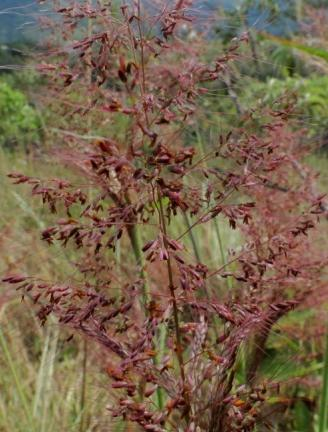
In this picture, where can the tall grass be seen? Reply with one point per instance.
(40, 373)
(40, 376)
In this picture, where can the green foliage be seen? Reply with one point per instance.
(20, 123)
(14, 53)
(293, 44)
(283, 61)
(311, 96)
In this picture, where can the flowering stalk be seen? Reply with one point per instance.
(147, 84)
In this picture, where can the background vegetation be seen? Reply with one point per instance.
(51, 383)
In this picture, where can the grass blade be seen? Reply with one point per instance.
(20, 390)
(323, 414)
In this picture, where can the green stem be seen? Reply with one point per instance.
(323, 415)
(13, 371)
(215, 222)
(192, 238)
(160, 345)
(136, 242)
(179, 349)
(220, 242)
(84, 384)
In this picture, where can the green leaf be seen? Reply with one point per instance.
(303, 417)
(323, 414)
(313, 51)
